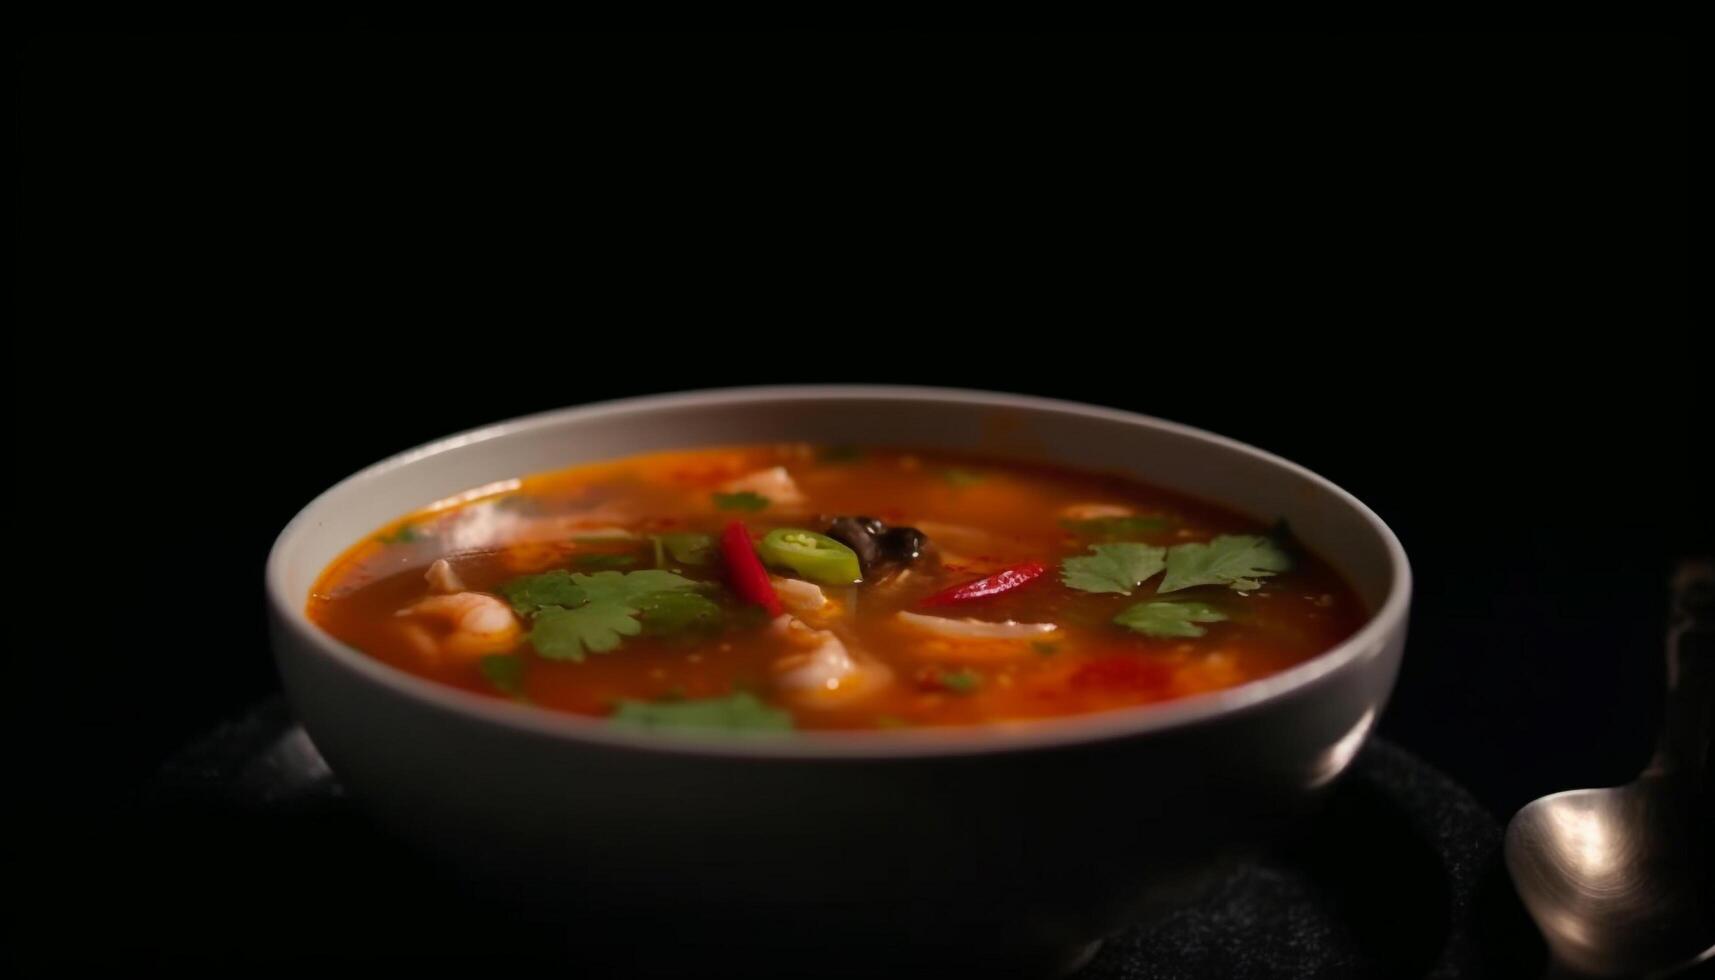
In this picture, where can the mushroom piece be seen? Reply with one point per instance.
(877, 544)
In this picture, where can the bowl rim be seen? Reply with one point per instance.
(1181, 713)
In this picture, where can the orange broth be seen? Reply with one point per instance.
(979, 516)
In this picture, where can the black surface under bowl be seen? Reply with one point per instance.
(272, 868)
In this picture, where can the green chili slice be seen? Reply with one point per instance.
(816, 557)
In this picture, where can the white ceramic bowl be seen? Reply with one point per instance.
(1012, 848)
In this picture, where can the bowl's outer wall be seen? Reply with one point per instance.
(1034, 850)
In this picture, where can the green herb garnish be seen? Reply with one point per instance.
(687, 548)
(576, 614)
(595, 627)
(961, 477)
(532, 592)
(1234, 560)
(839, 454)
(1117, 528)
(1113, 568)
(1044, 648)
(505, 672)
(743, 500)
(740, 712)
(961, 681)
(671, 612)
(627, 586)
(404, 534)
(1169, 618)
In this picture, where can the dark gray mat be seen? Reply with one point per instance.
(1399, 878)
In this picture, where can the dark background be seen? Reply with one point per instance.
(1447, 272)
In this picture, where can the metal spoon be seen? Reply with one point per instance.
(1622, 881)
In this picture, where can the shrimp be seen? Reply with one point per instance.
(462, 625)
(807, 601)
(799, 595)
(821, 673)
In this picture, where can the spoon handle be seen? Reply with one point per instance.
(1684, 752)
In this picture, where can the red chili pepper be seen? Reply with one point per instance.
(749, 578)
(1004, 580)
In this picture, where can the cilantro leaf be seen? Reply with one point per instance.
(687, 548)
(1169, 618)
(577, 614)
(671, 612)
(743, 500)
(961, 681)
(1113, 568)
(596, 627)
(961, 478)
(506, 672)
(1117, 528)
(626, 587)
(1236, 560)
(404, 534)
(740, 712)
(532, 592)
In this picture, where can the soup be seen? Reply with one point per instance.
(777, 587)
